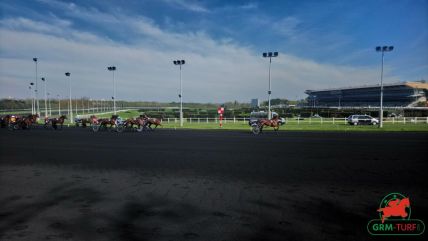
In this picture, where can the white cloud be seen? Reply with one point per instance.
(286, 26)
(189, 5)
(215, 71)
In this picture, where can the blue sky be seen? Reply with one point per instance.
(322, 44)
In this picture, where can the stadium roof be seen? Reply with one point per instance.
(413, 84)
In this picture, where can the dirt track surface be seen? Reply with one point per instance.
(204, 185)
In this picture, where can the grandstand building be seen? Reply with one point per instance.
(405, 94)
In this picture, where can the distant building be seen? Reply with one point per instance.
(406, 94)
(255, 103)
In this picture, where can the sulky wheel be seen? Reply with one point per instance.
(140, 128)
(255, 129)
(95, 127)
(120, 127)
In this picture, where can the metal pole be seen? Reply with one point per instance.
(37, 91)
(46, 107)
(381, 95)
(32, 100)
(49, 105)
(114, 94)
(181, 100)
(59, 105)
(269, 91)
(70, 103)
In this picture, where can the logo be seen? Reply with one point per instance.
(394, 217)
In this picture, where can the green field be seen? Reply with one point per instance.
(292, 125)
(315, 124)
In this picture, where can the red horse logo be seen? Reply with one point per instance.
(395, 208)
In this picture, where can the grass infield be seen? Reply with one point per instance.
(314, 124)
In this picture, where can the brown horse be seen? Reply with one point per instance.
(111, 121)
(26, 122)
(153, 121)
(83, 122)
(93, 120)
(130, 122)
(274, 122)
(55, 122)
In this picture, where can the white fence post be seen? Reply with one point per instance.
(234, 119)
(207, 119)
(404, 120)
(427, 119)
(333, 120)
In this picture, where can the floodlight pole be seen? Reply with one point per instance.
(70, 108)
(181, 100)
(49, 104)
(269, 91)
(270, 55)
(382, 49)
(46, 107)
(33, 104)
(180, 63)
(37, 90)
(59, 105)
(113, 68)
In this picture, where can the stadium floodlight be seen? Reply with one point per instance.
(180, 63)
(70, 106)
(269, 55)
(113, 69)
(382, 49)
(46, 107)
(37, 89)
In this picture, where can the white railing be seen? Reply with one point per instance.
(333, 120)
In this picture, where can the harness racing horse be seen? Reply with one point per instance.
(102, 123)
(147, 122)
(130, 122)
(22, 123)
(4, 122)
(274, 122)
(55, 121)
(83, 122)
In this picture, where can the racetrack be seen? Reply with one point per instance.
(204, 185)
